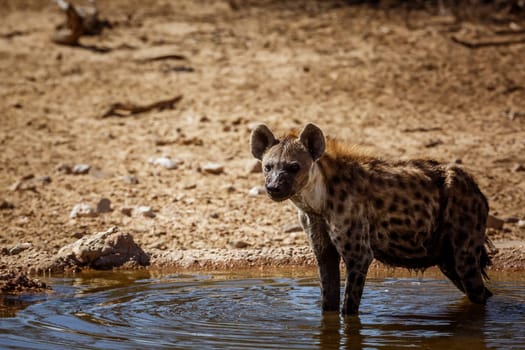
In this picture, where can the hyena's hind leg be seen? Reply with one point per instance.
(464, 224)
(464, 264)
(448, 265)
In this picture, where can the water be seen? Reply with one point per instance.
(145, 310)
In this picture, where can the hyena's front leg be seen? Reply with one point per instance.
(354, 246)
(327, 259)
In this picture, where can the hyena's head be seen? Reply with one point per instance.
(287, 161)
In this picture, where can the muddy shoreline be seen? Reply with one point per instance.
(509, 256)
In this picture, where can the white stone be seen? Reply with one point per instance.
(82, 210)
(81, 169)
(256, 191)
(145, 211)
(165, 162)
(213, 168)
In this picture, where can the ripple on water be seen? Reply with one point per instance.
(123, 311)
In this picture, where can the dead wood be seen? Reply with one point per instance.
(494, 41)
(422, 129)
(126, 109)
(163, 58)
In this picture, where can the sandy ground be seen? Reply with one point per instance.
(400, 88)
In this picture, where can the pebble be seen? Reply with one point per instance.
(494, 222)
(63, 169)
(521, 224)
(20, 247)
(4, 205)
(433, 143)
(104, 206)
(44, 180)
(289, 228)
(256, 191)
(80, 169)
(164, 162)
(24, 184)
(82, 210)
(213, 168)
(240, 244)
(126, 211)
(511, 220)
(146, 211)
(189, 186)
(518, 167)
(130, 179)
(230, 188)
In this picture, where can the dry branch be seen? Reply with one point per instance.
(126, 109)
(163, 58)
(476, 44)
(422, 129)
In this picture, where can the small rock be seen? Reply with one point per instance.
(521, 224)
(5, 205)
(253, 166)
(511, 220)
(27, 177)
(230, 188)
(289, 228)
(103, 250)
(126, 211)
(20, 247)
(494, 222)
(164, 162)
(213, 168)
(146, 211)
(16, 186)
(104, 206)
(82, 210)
(24, 184)
(44, 180)
(130, 179)
(518, 167)
(78, 235)
(433, 143)
(256, 191)
(240, 244)
(80, 169)
(63, 169)
(14, 282)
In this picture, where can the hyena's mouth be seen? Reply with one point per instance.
(277, 195)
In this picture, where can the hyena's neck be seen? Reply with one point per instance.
(312, 197)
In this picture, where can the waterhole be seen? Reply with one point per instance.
(147, 310)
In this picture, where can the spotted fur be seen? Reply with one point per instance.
(354, 206)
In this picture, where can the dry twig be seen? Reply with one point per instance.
(476, 44)
(126, 109)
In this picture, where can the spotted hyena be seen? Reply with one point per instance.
(414, 214)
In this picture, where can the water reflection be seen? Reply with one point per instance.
(129, 311)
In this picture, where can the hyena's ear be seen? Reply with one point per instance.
(313, 139)
(261, 139)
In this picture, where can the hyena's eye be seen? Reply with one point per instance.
(267, 168)
(293, 168)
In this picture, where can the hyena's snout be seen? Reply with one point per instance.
(278, 186)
